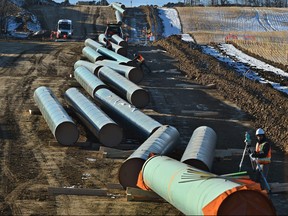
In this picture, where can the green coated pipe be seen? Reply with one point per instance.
(190, 190)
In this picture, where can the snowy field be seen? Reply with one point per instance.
(229, 51)
(234, 19)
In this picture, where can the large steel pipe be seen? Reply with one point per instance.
(93, 68)
(88, 80)
(137, 96)
(118, 17)
(161, 142)
(199, 152)
(108, 53)
(119, 4)
(91, 54)
(60, 123)
(115, 47)
(93, 44)
(195, 192)
(103, 127)
(120, 41)
(129, 116)
(118, 8)
(134, 74)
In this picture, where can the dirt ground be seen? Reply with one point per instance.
(181, 96)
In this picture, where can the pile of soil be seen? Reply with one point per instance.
(266, 106)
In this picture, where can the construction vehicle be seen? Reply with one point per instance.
(113, 28)
(64, 29)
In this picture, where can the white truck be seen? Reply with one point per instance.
(64, 29)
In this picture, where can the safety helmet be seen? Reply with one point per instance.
(259, 131)
(135, 54)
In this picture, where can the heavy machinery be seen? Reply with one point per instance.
(113, 28)
(64, 29)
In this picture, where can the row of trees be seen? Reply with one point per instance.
(254, 3)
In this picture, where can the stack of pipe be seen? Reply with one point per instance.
(137, 96)
(60, 123)
(115, 47)
(94, 118)
(125, 112)
(108, 53)
(134, 74)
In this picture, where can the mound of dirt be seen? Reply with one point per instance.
(266, 106)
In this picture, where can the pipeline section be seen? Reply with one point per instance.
(118, 17)
(120, 41)
(115, 47)
(127, 89)
(127, 114)
(103, 127)
(118, 7)
(91, 54)
(196, 192)
(60, 123)
(134, 74)
(88, 80)
(93, 68)
(199, 152)
(161, 142)
(108, 53)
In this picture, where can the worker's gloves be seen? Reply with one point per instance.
(253, 154)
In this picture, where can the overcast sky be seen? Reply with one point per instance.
(133, 2)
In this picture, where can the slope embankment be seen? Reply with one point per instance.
(266, 106)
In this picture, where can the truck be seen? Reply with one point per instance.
(64, 29)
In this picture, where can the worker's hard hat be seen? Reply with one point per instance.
(259, 131)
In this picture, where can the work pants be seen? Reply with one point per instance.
(259, 178)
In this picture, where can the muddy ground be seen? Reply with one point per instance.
(181, 95)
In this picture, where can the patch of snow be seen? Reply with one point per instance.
(170, 21)
(242, 68)
(230, 50)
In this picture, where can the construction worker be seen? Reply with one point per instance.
(140, 59)
(262, 155)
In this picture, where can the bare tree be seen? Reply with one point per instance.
(3, 15)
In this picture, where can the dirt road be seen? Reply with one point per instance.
(31, 162)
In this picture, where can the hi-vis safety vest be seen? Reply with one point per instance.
(267, 159)
(140, 58)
